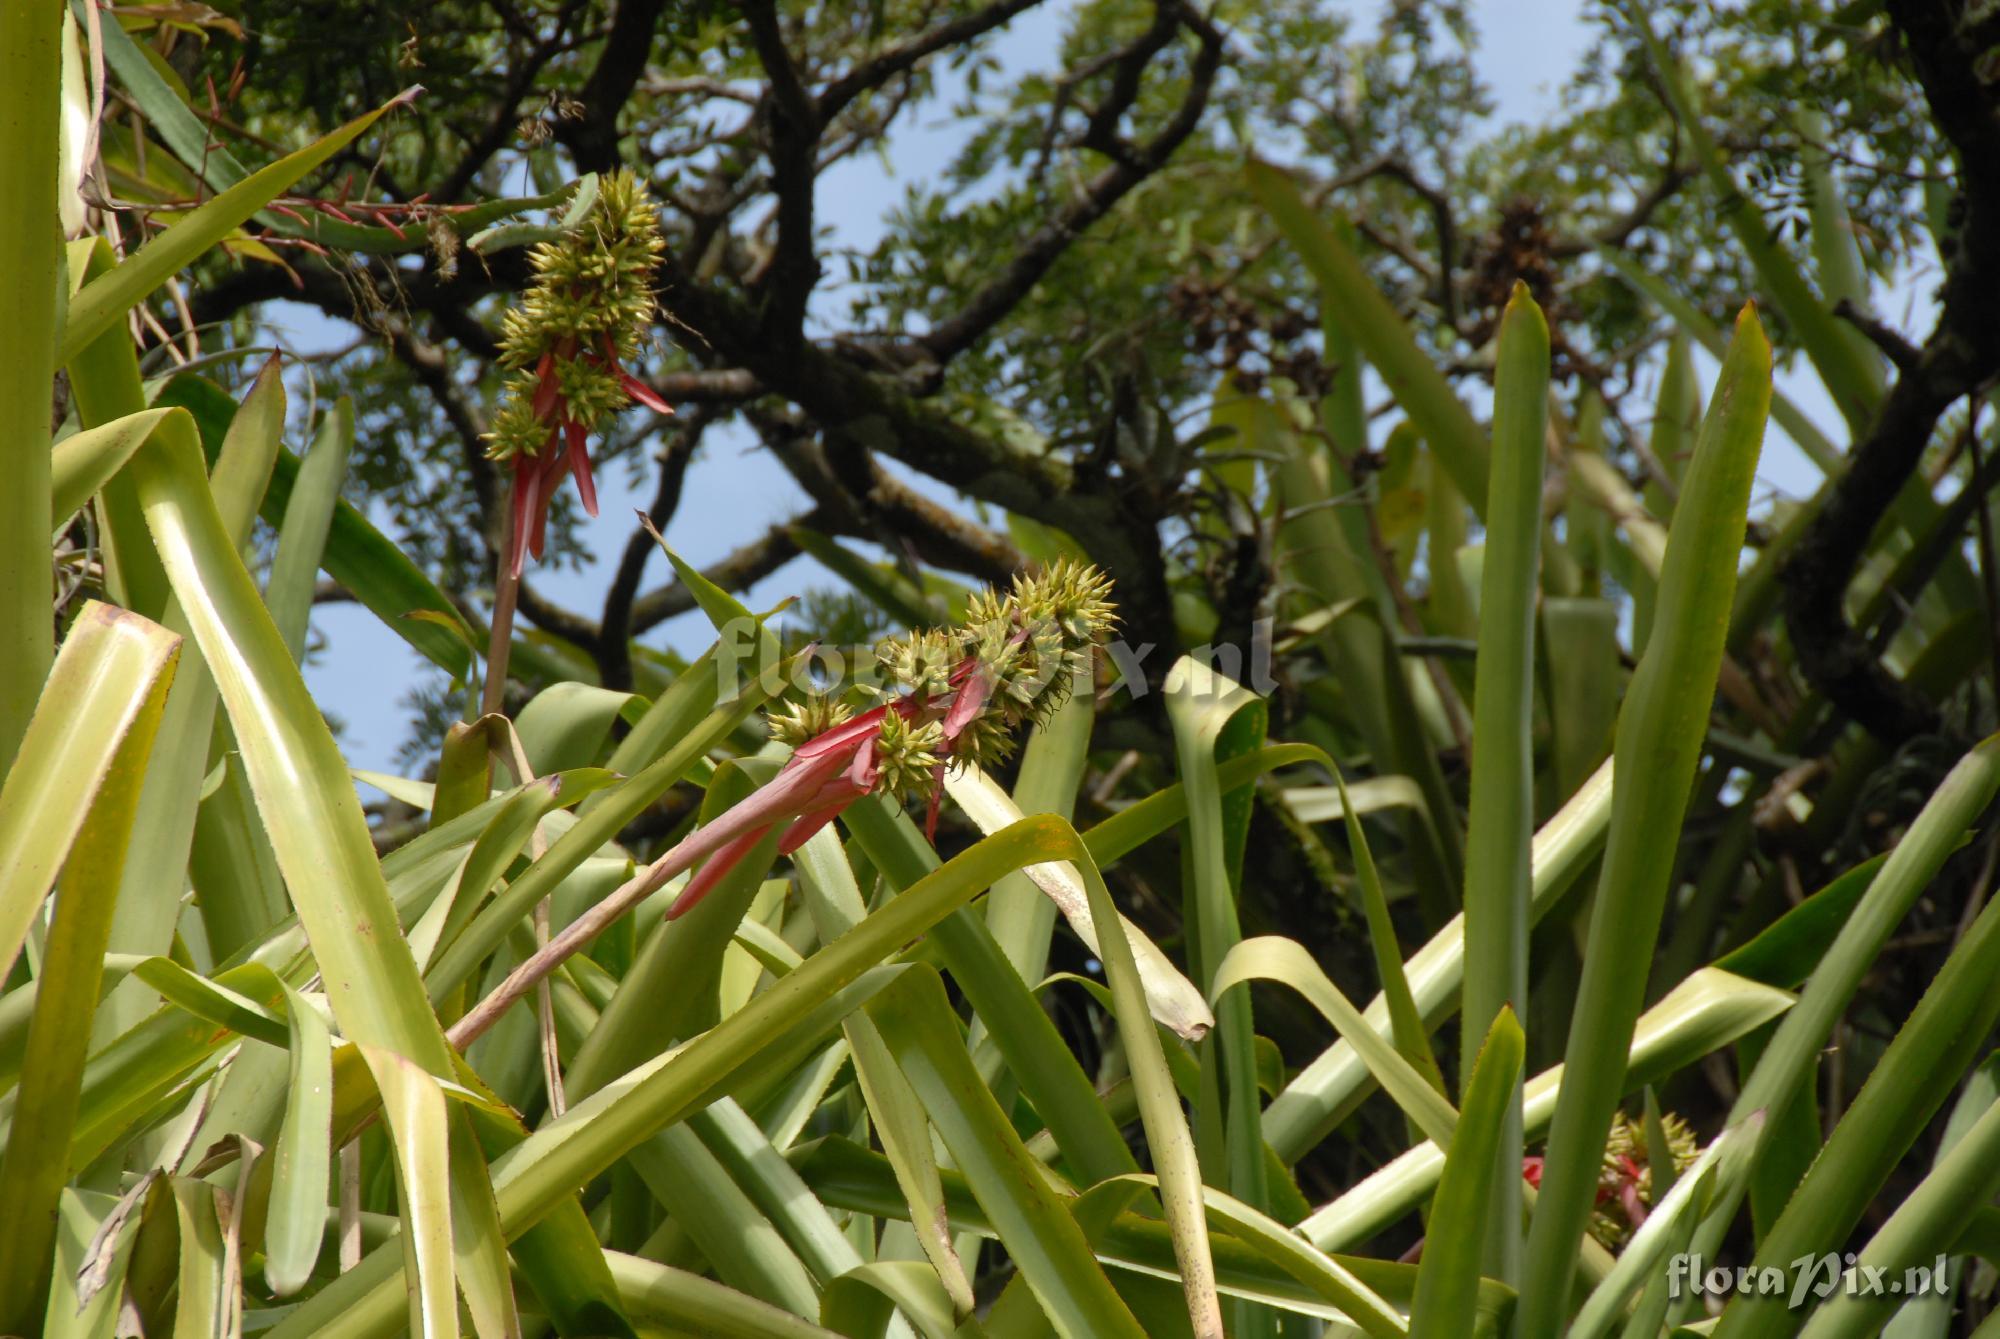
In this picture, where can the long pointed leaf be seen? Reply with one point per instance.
(36, 1161)
(1381, 333)
(1038, 1232)
(415, 1108)
(1448, 1278)
(104, 300)
(1501, 822)
(303, 1162)
(100, 687)
(31, 241)
(308, 518)
(1167, 1135)
(1661, 731)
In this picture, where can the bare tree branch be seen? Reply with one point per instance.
(958, 332)
(869, 501)
(885, 65)
(593, 138)
(1394, 168)
(794, 130)
(1905, 355)
(706, 386)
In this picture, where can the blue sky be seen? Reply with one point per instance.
(733, 491)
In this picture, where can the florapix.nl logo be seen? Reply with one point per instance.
(745, 652)
(1809, 1278)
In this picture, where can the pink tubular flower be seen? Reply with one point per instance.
(815, 786)
(565, 448)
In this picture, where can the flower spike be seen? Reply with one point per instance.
(566, 347)
(955, 697)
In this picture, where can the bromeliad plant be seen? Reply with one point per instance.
(258, 1075)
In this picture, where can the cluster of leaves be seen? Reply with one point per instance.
(646, 1007)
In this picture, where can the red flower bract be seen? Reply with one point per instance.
(565, 450)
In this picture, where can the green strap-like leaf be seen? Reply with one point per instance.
(1448, 1278)
(1851, 378)
(1212, 717)
(102, 685)
(302, 1160)
(1709, 1010)
(30, 288)
(905, 1136)
(1406, 1021)
(1500, 824)
(1662, 730)
(103, 301)
(308, 519)
(1329, 1086)
(195, 145)
(1353, 299)
(1045, 1242)
(119, 665)
(546, 1168)
(1270, 958)
(1925, 1060)
(1168, 1139)
(86, 460)
(414, 1106)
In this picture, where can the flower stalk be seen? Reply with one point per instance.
(566, 348)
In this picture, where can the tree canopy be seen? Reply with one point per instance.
(1044, 326)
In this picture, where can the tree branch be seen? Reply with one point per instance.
(567, 624)
(1961, 354)
(720, 385)
(885, 65)
(871, 503)
(500, 125)
(1616, 231)
(593, 138)
(956, 333)
(1394, 168)
(1117, 525)
(1905, 355)
(794, 127)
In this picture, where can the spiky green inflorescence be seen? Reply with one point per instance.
(1625, 1148)
(1030, 646)
(908, 754)
(1020, 653)
(987, 742)
(920, 664)
(587, 313)
(808, 719)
